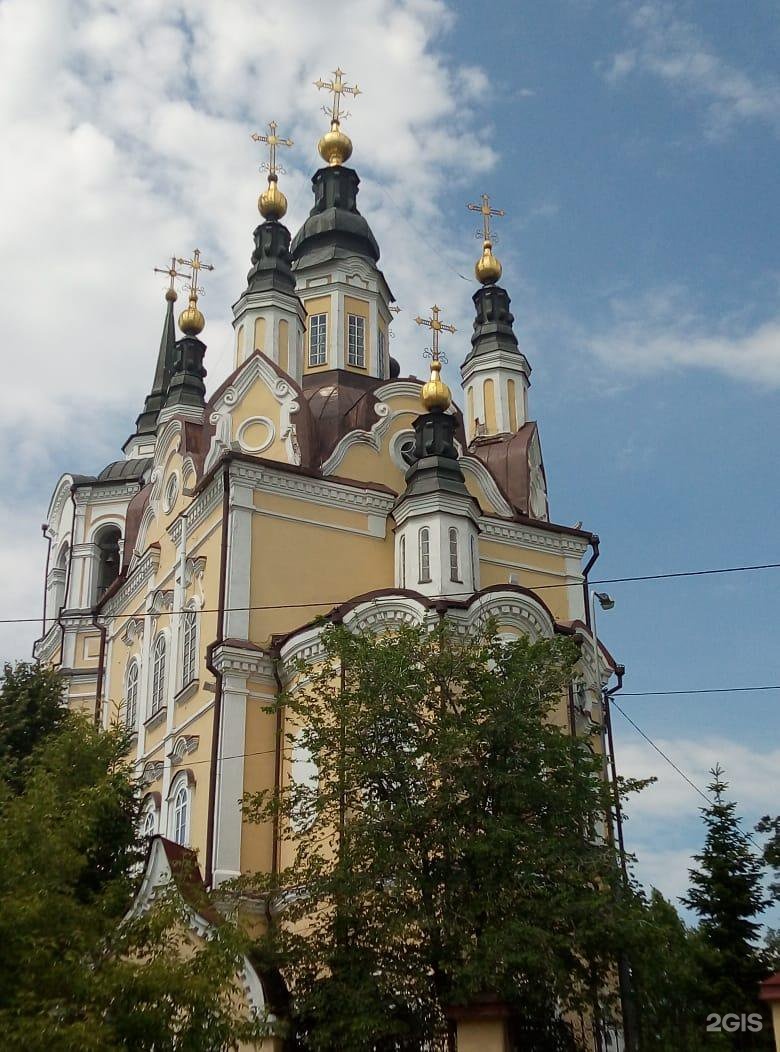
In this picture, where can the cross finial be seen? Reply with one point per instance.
(487, 212)
(191, 320)
(173, 274)
(338, 88)
(273, 140)
(437, 326)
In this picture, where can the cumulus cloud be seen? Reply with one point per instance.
(666, 46)
(664, 829)
(662, 331)
(126, 137)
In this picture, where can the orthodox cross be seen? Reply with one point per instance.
(436, 325)
(338, 88)
(395, 308)
(173, 274)
(487, 212)
(195, 266)
(273, 141)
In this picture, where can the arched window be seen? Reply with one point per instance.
(131, 695)
(60, 580)
(158, 673)
(189, 647)
(149, 819)
(402, 562)
(424, 544)
(454, 565)
(180, 811)
(107, 541)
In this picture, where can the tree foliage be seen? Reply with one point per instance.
(452, 845)
(73, 974)
(31, 707)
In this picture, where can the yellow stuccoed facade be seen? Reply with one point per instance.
(243, 518)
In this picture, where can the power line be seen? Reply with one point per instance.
(697, 690)
(537, 588)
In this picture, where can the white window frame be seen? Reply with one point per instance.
(356, 341)
(424, 555)
(402, 561)
(189, 646)
(159, 669)
(452, 536)
(380, 348)
(180, 809)
(150, 819)
(132, 687)
(318, 352)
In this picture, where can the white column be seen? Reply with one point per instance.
(239, 564)
(230, 777)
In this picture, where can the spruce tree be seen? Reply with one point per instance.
(727, 894)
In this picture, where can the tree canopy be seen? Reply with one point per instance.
(451, 845)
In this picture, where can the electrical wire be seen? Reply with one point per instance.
(330, 603)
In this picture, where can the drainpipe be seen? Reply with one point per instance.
(44, 528)
(101, 668)
(276, 658)
(628, 1004)
(217, 721)
(594, 543)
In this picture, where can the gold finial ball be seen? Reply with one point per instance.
(335, 147)
(435, 394)
(272, 203)
(487, 268)
(170, 295)
(191, 320)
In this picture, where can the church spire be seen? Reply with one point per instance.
(495, 373)
(186, 390)
(437, 519)
(335, 147)
(271, 260)
(146, 423)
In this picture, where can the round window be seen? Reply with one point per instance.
(171, 491)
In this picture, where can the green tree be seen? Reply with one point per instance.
(451, 846)
(771, 826)
(31, 707)
(727, 894)
(73, 974)
(669, 980)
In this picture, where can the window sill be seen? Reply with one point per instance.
(156, 719)
(187, 691)
(425, 580)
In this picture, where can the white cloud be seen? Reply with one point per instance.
(125, 134)
(662, 331)
(664, 828)
(666, 46)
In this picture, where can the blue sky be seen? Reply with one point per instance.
(635, 150)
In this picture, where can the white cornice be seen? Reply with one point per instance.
(525, 536)
(438, 502)
(496, 358)
(314, 490)
(472, 465)
(230, 657)
(142, 572)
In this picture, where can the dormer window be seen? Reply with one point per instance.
(318, 339)
(107, 541)
(356, 341)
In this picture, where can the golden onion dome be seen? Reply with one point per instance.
(487, 268)
(435, 394)
(191, 320)
(272, 203)
(335, 147)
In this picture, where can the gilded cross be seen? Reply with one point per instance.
(173, 274)
(195, 266)
(487, 212)
(273, 141)
(436, 325)
(338, 88)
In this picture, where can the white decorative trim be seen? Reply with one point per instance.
(58, 501)
(250, 421)
(228, 658)
(157, 878)
(152, 771)
(314, 490)
(143, 571)
(134, 629)
(204, 503)
(372, 438)
(471, 465)
(399, 389)
(182, 747)
(520, 534)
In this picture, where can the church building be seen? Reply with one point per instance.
(186, 579)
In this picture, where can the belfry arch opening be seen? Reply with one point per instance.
(107, 541)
